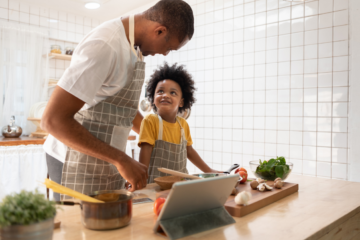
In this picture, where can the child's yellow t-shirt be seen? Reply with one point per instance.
(149, 130)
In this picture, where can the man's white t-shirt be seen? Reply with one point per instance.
(101, 65)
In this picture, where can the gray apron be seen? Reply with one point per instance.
(167, 155)
(110, 121)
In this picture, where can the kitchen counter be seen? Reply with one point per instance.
(322, 209)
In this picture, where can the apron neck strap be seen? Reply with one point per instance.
(132, 37)
(161, 129)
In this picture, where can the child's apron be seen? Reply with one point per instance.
(167, 155)
(110, 121)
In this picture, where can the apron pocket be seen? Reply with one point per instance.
(119, 137)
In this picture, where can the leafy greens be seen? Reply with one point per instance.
(272, 169)
(25, 208)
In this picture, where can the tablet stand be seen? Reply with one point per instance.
(183, 226)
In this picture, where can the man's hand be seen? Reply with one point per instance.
(134, 172)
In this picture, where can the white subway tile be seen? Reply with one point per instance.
(325, 35)
(324, 139)
(297, 11)
(297, 39)
(311, 8)
(341, 33)
(4, 4)
(25, 8)
(272, 16)
(341, 18)
(340, 109)
(340, 125)
(284, 14)
(323, 169)
(341, 4)
(297, 25)
(340, 94)
(34, 10)
(4, 13)
(260, 6)
(311, 37)
(325, 50)
(339, 171)
(284, 55)
(324, 109)
(14, 5)
(326, 20)
(324, 124)
(310, 80)
(44, 12)
(324, 154)
(311, 23)
(24, 17)
(324, 94)
(272, 30)
(309, 167)
(339, 140)
(340, 78)
(341, 48)
(341, 63)
(249, 8)
(272, 4)
(297, 53)
(325, 6)
(311, 52)
(284, 27)
(325, 64)
(34, 20)
(339, 155)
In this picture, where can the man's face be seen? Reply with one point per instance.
(158, 42)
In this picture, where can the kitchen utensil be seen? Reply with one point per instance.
(145, 105)
(227, 172)
(112, 214)
(266, 175)
(11, 130)
(185, 114)
(67, 191)
(166, 182)
(176, 173)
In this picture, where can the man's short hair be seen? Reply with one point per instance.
(176, 15)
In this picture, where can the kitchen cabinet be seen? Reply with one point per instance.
(322, 209)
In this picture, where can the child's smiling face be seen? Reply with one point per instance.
(168, 98)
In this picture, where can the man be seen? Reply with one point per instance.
(94, 106)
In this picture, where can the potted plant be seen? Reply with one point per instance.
(26, 215)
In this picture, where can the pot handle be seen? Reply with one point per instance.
(235, 165)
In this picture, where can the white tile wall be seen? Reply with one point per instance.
(272, 80)
(65, 29)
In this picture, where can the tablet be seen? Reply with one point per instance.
(195, 196)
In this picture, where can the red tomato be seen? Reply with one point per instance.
(244, 176)
(240, 169)
(159, 209)
(157, 204)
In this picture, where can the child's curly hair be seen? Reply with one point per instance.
(179, 75)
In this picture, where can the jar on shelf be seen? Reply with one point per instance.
(55, 49)
(69, 50)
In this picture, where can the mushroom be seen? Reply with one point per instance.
(278, 183)
(277, 179)
(242, 198)
(259, 180)
(267, 187)
(254, 184)
(261, 187)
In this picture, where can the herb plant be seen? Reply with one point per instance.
(272, 169)
(25, 208)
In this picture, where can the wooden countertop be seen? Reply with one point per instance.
(21, 141)
(322, 209)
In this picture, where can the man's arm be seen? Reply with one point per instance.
(58, 120)
(194, 157)
(137, 122)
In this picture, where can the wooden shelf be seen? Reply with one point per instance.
(59, 56)
(21, 141)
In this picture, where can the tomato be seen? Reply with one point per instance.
(157, 204)
(159, 209)
(244, 176)
(240, 169)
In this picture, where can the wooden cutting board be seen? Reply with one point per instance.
(258, 200)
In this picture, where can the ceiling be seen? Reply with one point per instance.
(110, 8)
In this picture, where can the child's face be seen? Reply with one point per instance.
(168, 97)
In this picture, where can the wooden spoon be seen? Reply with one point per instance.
(179, 174)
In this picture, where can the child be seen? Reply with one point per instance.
(165, 139)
